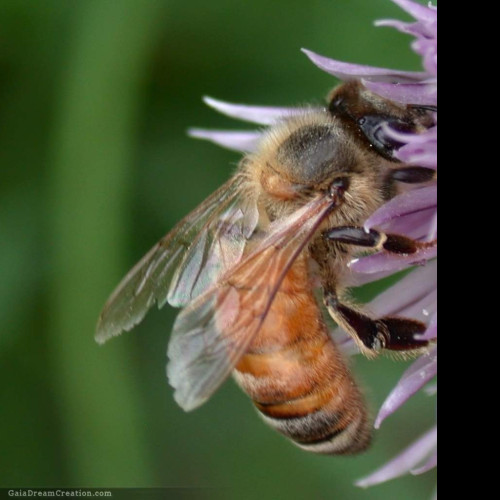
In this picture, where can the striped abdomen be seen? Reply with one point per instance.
(297, 378)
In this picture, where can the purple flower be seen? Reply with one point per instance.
(412, 213)
(418, 458)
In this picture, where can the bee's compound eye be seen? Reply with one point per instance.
(337, 104)
(338, 187)
(341, 183)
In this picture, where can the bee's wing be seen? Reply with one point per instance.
(212, 333)
(186, 261)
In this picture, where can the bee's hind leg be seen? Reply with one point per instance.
(372, 335)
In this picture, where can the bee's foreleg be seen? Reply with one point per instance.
(372, 335)
(394, 243)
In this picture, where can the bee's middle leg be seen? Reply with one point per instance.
(391, 242)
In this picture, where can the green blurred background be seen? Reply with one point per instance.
(95, 99)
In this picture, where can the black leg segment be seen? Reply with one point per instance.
(354, 235)
(394, 243)
(413, 175)
(372, 335)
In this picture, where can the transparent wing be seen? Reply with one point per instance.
(186, 261)
(211, 334)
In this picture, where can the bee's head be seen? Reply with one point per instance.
(315, 152)
(304, 155)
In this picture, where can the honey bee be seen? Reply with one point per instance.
(244, 267)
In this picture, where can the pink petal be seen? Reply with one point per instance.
(354, 279)
(409, 28)
(415, 154)
(431, 332)
(418, 225)
(427, 466)
(388, 262)
(419, 149)
(263, 115)
(413, 379)
(423, 92)
(429, 136)
(432, 229)
(238, 141)
(348, 71)
(405, 461)
(428, 50)
(403, 205)
(418, 11)
(413, 296)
